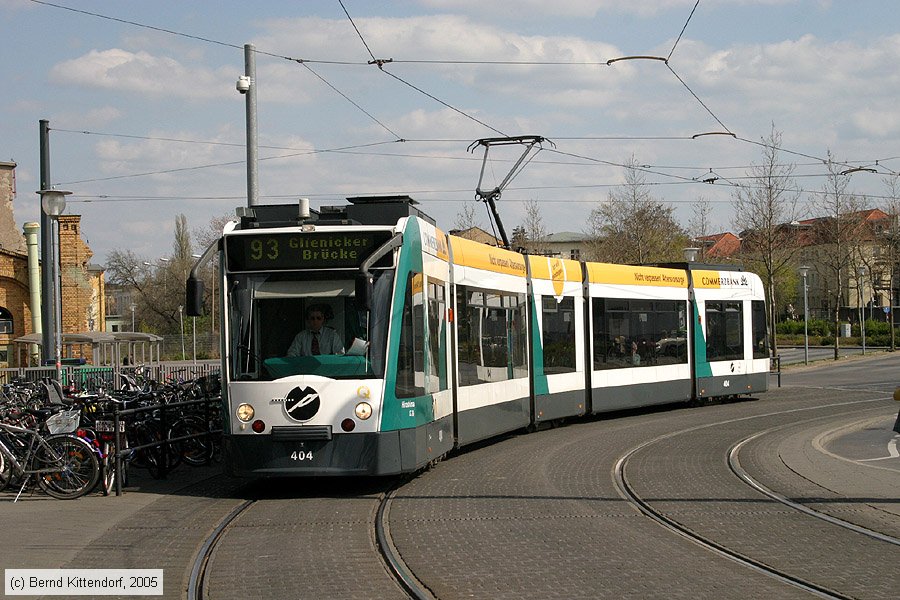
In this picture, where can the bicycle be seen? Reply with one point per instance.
(65, 466)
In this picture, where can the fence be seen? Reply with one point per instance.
(90, 378)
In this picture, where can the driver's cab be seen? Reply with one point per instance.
(269, 311)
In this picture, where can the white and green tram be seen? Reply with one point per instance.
(448, 341)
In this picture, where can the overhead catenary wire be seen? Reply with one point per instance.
(360, 149)
(380, 63)
(305, 62)
(683, 29)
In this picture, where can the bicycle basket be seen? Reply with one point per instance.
(65, 421)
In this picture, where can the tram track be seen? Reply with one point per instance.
(735, 466)
(390, 557)
(628, 493)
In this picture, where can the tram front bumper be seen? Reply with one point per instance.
(344, 454)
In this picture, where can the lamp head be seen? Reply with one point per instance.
(53, 202)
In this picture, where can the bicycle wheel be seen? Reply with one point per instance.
(148, 432)
(195, 451)
(108, 468)
(5, 472)
(68, 466)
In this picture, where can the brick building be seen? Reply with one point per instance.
(82, 291)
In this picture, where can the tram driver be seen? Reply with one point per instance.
(317, 338)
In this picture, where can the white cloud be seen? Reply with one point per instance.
(142, 72)
(536, 9)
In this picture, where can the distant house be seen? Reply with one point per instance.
(477, 234)
(719, 247)
(565, 244)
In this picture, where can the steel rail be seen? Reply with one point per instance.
(198, 571)
(394, 563)
(629, 495)
(735, 465)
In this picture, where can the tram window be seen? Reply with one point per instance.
(760, 329)
(724, 331)
(411, 353)
(437, 338)
(518, 336)
(558, 324)
(491, 336)
(638, 333)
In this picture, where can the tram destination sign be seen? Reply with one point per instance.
(303, 250)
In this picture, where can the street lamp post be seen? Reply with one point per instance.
(862, 310)
(53, 203)
(804, 271)
(181, 322)
(133, 306)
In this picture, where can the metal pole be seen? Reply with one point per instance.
(181, 321)
(252, 138)
(48, 343)
(862, 315)
(57, 295)
(805, 321)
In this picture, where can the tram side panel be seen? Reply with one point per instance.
(557, 338)
(732, 354)
(638, 332)
(491, 340)
(418, 380)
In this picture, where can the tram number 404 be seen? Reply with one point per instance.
(302, 455)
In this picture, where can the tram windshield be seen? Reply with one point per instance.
(305, 323)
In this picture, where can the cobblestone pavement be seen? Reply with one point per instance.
(533, 516)
(538, 516)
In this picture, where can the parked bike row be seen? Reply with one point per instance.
(69, 444)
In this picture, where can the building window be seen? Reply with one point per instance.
(6, 321)
(575, 254)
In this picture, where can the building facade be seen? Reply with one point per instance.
(82, 289)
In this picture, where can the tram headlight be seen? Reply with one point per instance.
(363, 411)
(245, 412)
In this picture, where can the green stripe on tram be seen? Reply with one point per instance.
(404, 413)
(540, 378)
(703, 368)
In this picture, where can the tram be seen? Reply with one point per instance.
(445, 341)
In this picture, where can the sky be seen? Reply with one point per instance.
(146, 122)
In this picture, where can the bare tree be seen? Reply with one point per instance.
(212, 231)
(890, 245)
(634, 227)
(836, 236)
(535, 232)
(764, 209)
(699, 225)
(465, 218)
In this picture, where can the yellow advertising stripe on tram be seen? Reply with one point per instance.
(555, 269)
(434, 241)
(714, 280)
(636, 275)
(472, 254)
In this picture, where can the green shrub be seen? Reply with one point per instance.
(816, 327)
